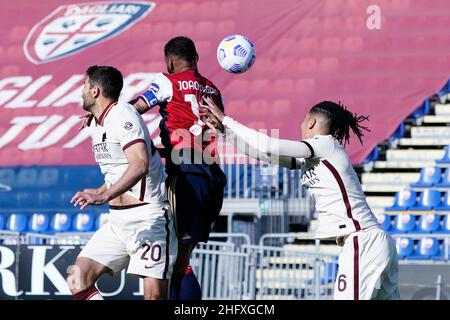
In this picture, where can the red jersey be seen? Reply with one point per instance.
(179, 96)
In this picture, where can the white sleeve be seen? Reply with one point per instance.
(265, 144)
(160, 90)
(320, 146)
(283, 161)
(128, 130)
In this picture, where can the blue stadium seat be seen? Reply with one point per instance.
(65, 197)
(27, 198)
(385, 220)
(404, 200)
(424, 109)
(101, 219)
(27, 178)
(403, 223)
(16, 222)
(446, 157)
(38, 222)
(83, 222)
(445, 203)
(405, 247)
(429, 176)
(445, 180)
(372, 156)
(80, 177)
(7, 176)
(445, 224)
(428, 200)
(398, 133)
(49, 199)
(48, 177)
(2, 221)
(427, 223)
(441, 251)
(8, 200)
(60, 222)
(426, 249)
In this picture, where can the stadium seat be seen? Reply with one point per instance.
(404, 199)
(48, 177)
(403, 223)
(80, 177)
(429, 177)
(445, 204)
(446, 157)
(405, 247)
(27, 178)
(427, 223)
(441, 251)
(65, 197)
(60, 222)
(372, 156)
(445, 224)
(425, 249)
(38, 222)
(8, 200)
(398, 133)
(83, 222)
(49, 199)
(2, 221)
(428, 200)
(7, 176)
(385, 221)
(27, 198)
(424, 109)
(101, 219)
(445, 180)
(16, 222)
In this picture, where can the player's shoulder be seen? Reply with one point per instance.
(321, 145)
(123, 111)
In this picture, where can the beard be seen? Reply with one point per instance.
(87, 105)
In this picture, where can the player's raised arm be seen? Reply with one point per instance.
(160, 91)
(257, 140)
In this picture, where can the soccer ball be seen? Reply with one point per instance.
(236, 54)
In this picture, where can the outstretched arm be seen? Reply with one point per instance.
(245, 148)
(257, 140)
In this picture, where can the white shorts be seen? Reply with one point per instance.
(141, 237)
(368, 267)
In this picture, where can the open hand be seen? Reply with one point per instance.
(83, 199)
(212, 107)
(210, 120)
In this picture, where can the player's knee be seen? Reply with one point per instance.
(77, 279)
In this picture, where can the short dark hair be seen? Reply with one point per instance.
(181, 47)
(108, 78)
(339, 120)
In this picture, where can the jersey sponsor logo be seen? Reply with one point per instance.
(72, 28)
(309, 177)
(128, 126)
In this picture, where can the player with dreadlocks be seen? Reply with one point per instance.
(368, 263)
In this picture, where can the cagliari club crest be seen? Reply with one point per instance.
(72, 28)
